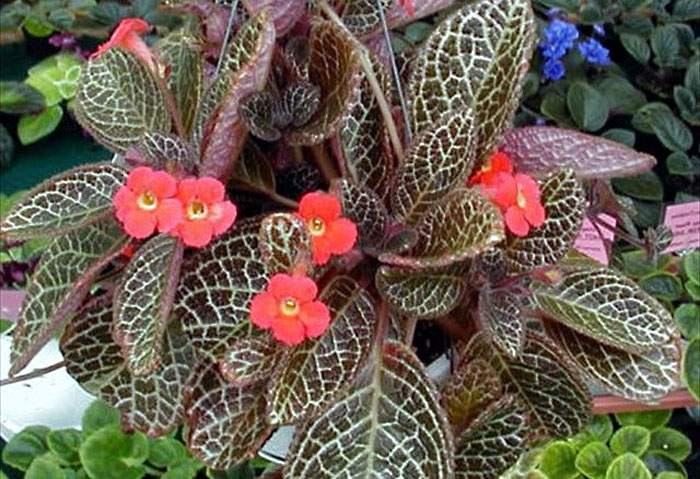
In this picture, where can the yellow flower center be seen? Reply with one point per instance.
(289, 307)
(196, 210)
(522, 202)
(147, 201)
(317, 226)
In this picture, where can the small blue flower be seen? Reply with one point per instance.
(559, 37)
(554, 69)
(553, 12)
(599, 29)
(594, 52)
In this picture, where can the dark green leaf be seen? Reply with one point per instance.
(662, 285)
(679, 163)
(665, 44)
(620, 135)
(691, 368)
(588, 107)
(672, 132)
(44, 469)
(687, 317)
(646, 186)
(25, 446)
(636, 46)
(65, 444)
(691, 266)
(19, 98)
(165, 452)
(620, 95)
(671, 442)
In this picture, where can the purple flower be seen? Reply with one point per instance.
(540, 122)
(594, 52)
(554, 69)
(559, 37)
(599, 29)
(64, 41)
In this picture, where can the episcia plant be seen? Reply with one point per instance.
(186, 302)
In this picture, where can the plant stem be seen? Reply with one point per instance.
(227, 35)
(410, 330)
(618, 232)
(34, 374)
(324, 162)
(366, 65)
(283, 200)
(172, 108)
(152, 471)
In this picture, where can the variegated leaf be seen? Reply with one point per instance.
(334, 66)
(226, 423)
(389, 425)
(153, 404)
(210, 105)
(314, 374)
(143, 302)
(424, 293)
(285, 243)
(564, 201)
(216, 287)
(502, 318)
(118, 99)
(362, 16)
(646, 376)
(471, 389)
(285, 13)
(299, 102)
(557, 401)
(222, 132)
(250, 360)
(475, 59)
(180, 52)
(537, 150)
(460, 226)
(365, 159)
(438, 159)
(256, 112)
(366, 210)
(65, 273)
(495, 441)
(606, 306)
(253, 171)
(64, 202)
(167, 152)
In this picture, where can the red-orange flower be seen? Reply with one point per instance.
(127, 36)
(289, 307)
(147, 203)
(496, 164)
(330, 233)
(205, 212)
(518, 197)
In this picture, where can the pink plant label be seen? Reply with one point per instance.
(591, 240)
(684, 221)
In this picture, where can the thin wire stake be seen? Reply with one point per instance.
(227, 35)
(395, 71)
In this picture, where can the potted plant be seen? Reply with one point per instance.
(263, 251)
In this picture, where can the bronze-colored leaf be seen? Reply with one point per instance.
(253, 171)
(167, 152)
(285, 13)
(502, 318)
(564, 201)
(153, 404)
(425, 293)
(366, 210)
(460, 226)
(251, 359)
(362, 16)
(285, 243)
(333, 66)
(256, 112)
(298, 104)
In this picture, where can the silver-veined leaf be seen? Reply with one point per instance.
(253, 171)
(64, 202)
(285, 13)
(285, 243)
(251, 359)
(502, 318)
(166, 152)
(389, 425)
(118, 99)
(365, 209)
(314, 373)
(143, 301)
(363, 16)
(63, 278)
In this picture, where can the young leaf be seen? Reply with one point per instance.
(502, 319)
(97, 415)
(593, 460)
(424, 293)
(334, 66)
(558, 402)
(633, 439)
(67, 201)
(215, 314)
(652, 420)
(226, 423)
(538, 150)
(65, 444)
(181, 54)
(366, 209)
(143, 301)
(32, 128)
(447, 76)
(564, 200)
(111, 454)
(153, 404)
(314, 373)
(250, 360)
(608, 307)
(494, 443)
(42, 468)
(58, 286)
(361, 434)
(647, 376)
(671, 442)
(627, 466)
(460, 226)
(118, 99)
(438, 159)
(284, 243)
(558, 460)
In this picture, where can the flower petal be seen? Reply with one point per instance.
(169, 214)
(210, 190)
(139, 179)
(316, 318)
(281, 286)
(319, 204)
(500, 163)
(504, 191)
(139, 223)
(288, 330)
(528, 187)
(195, 233)
(264, 309)
(304, 289)
(341, 235)
(516, 222)
(187, 190)
(322, 249)
(124, 199)
(535, 214)
(162, 185)
(222, 216)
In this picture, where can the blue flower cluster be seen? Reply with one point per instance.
(559, 38)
